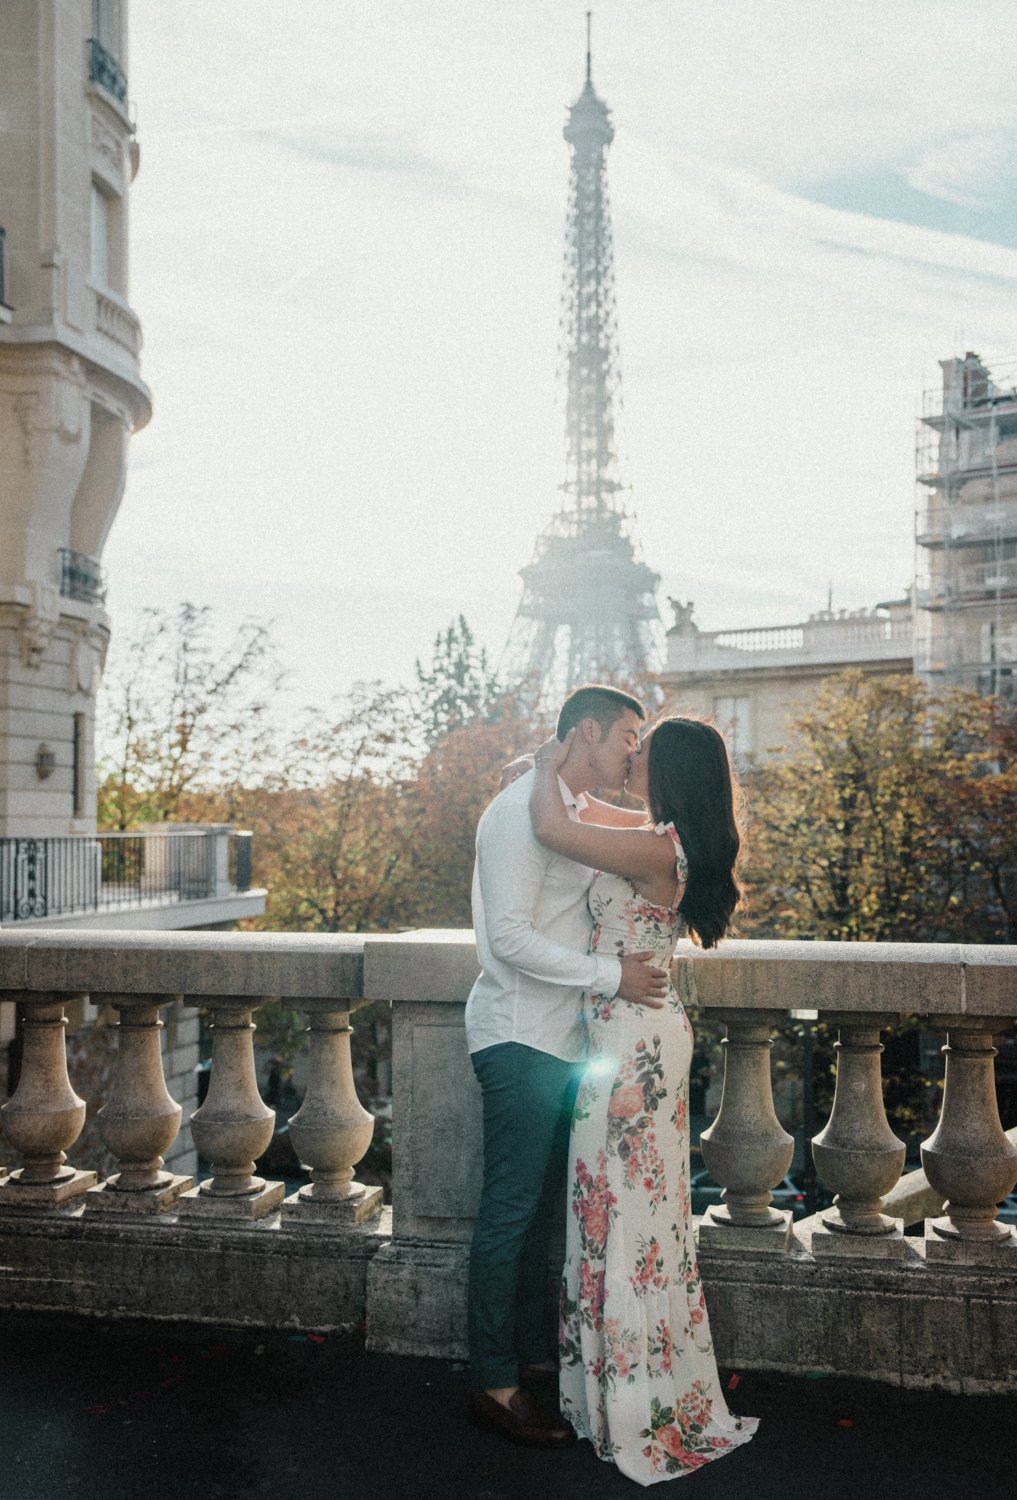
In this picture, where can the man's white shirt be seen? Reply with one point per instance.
(533, 929)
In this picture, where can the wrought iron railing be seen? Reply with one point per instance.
(52, 877)
(106, 71)
(240, 860)
(81, 577)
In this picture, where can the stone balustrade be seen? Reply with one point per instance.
(845, 1290)
(234, 1126)
(967, 993)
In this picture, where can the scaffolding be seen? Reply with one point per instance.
(966, 532)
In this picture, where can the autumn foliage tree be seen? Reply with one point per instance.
(893, 816)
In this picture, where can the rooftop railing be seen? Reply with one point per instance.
(60, 877)
(824, 638)
(844, 1290)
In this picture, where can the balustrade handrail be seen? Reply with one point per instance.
(741, 973)
(913, 978)
(277, 965)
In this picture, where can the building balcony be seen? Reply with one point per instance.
(116, 320)
(824, 640)
(6, 311)
(909, 1280)
(81, 577)
(182, 877)
(106, 72)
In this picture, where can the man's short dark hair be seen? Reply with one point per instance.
(604, 704)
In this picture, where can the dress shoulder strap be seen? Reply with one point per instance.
(681, 861)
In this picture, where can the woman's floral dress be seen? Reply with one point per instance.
(638, 1372)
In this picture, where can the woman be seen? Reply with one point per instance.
(638, 1372)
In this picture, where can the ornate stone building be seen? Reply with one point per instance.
(71, 391)
(71, 394)
(752, 681)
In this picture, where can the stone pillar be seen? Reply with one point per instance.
(968, 1158)
(857, 1156)
(45, 1116)
(234, 1125)
(331, 1130)
(140, 1121)
(746, 1149)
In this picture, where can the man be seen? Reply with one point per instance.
(527, 1041)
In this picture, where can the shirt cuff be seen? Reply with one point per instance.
(608, 977)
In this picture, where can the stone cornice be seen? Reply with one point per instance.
(133, 389)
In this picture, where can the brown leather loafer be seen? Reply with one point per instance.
(523, 1421)
(536, 1379)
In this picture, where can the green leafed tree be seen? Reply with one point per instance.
(459, 687)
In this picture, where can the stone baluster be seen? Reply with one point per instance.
(331, 1130)
(746, 1149)
(45, 1116)
(140, 1120)
(968, 1157)
(234, 1125)
(857, 1155)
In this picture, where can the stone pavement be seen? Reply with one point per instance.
(100, 1411)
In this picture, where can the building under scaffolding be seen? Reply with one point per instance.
(966, 595)
(589, 608)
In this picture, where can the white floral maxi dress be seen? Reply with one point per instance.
(638, 1372)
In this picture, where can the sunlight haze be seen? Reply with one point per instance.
(346, 250)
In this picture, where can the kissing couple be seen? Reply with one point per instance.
(582, 1049)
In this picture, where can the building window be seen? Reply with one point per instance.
(79, 766)
(106, 26)
(100, 237)
(734, 720)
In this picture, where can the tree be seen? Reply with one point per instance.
(335, 825)
(894, 817)
(974, 803)
(459, 688)
(179, 714)
(455, 783)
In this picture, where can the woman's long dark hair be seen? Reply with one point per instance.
(691, 785)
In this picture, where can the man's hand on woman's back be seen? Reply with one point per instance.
(641, 984)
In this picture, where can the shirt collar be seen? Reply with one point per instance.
(578, 802)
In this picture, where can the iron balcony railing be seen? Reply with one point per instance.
(53, 877)
(106, 71)
(81, 577)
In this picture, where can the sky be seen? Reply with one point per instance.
(346, 252)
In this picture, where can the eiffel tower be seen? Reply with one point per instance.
(589, 604)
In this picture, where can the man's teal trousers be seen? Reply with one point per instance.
(528, 1098)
